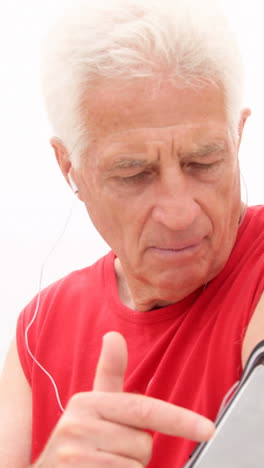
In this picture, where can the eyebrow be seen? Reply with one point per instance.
(202, 151)
(129, 164)
(205, 150)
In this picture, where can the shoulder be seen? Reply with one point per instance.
(60, 308)
(248, 253)
(73, 285)
(253, 223)
(84, 277)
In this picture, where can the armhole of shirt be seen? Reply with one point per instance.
(21, 347)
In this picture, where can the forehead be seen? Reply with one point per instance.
(114, 112)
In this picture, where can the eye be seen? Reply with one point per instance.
(136, 178)
(202, 166)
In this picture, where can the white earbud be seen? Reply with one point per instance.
(73, 185)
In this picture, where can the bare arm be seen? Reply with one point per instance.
(255, 331)
(15, 414)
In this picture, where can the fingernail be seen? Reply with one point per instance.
(206, 429)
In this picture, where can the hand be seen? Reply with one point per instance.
(107, 427)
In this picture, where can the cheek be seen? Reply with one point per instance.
(122, 225)
(110, 218)
(225, 192)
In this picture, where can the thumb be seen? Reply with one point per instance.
(112, 363)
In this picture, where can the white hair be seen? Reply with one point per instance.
(189, 40)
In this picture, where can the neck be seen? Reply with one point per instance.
(243, 213)
(141, 297)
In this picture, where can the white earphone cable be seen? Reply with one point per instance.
(38, 304)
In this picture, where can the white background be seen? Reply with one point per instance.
(35, 200)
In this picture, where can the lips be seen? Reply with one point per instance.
(174, 249)
(183, 251)
(179, 246)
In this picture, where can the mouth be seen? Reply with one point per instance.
(183, 251)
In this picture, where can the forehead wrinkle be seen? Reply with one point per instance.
(155, 148)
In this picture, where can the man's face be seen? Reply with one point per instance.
(160, 181)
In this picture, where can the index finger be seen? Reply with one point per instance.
(148, 413)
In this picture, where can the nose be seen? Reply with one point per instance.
(176, 206)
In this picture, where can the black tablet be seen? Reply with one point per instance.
(239, 438)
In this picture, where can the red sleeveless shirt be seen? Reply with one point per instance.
(188, 353)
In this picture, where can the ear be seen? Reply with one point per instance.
(245, 114)
(63, 158)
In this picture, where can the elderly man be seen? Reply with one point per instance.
(145, 102)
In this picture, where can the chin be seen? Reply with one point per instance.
(173, 290)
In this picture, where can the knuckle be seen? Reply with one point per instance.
(65, 455)
(74, 428)
(134, 464)
(69, 456)
(85, 403)
(81, 406)
(143, 411)
(120, 462)
(77, 400)
(68, 429)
